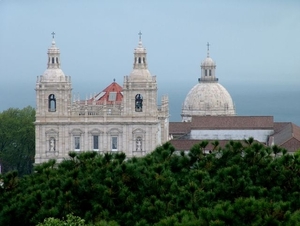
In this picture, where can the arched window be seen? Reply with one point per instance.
(52, 60)
(52, 103)
(57, 60)
(138, 103)
(140, 61)
(144, 60)
(138, 144)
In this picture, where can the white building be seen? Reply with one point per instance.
(125, 119)
(208, 97)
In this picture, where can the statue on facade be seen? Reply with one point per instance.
(52, 144)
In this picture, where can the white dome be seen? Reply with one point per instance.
(207, 98)
(208, 62)
(53, 75)
(140, 75)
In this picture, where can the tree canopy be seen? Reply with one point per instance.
(17, 140)
(244, 183)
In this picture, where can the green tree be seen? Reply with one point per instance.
(70, 221)
(244, 183)
(17, 140)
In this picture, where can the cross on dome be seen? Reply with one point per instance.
(208, 49)
(140, 36)
(140, 55)
(53, 34)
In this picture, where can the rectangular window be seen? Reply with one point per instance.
(112, 96)
(114, 143)
(96, 143)
(77, 143)
(209, 72)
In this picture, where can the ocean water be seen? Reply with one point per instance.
(283, 105)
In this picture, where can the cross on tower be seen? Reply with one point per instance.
(140, 36)
(207, 49)
(53, 34)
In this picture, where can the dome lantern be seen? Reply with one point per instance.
(140, 70)
(53, 72)
(208, 69)
(53, 55)
(140, 55)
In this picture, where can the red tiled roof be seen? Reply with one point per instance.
(232, 122)
(103, 96)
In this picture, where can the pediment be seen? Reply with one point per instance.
(138, 130)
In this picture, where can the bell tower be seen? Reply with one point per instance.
(53, 88)
(140, 87)
(53, 103)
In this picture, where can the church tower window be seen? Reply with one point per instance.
(114, 143)
(52, 60)
(140, 61)
(52, 103)
(96, 143)
(138, 103)
(77, 143)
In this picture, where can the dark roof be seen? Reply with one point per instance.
(184, 145)
(296, 131)
(278, 126)
(287, 131)
(179, 127)
(232, 122)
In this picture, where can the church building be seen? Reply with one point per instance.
(119, 118)
(208, 97)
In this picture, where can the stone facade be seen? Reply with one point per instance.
(133, 124)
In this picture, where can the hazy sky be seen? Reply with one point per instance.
(255, 44)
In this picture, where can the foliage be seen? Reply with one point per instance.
(70, 221)
(17, 140)
(74, 221)
(240, 184)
